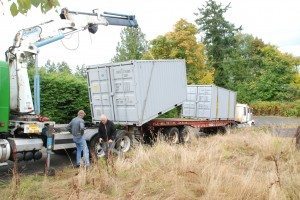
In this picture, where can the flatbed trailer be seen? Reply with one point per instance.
(174, 130)
(178, 122)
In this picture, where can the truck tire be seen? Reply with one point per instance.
(184, 135)
(124, 140)
(96, 150)
(172, 135)
(136, 139)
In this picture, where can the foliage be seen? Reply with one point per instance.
(23, 6)
(259, 71)
(219, 37)
(174, 113)
(62, 93)
(81, 71)
(275, 82)
(182, 43)
(58, 67)
(132, 46)
(287, 109)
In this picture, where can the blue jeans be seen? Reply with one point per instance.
(81, 146)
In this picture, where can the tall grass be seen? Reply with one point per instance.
(242, 164)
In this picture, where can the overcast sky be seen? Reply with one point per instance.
(275, 21)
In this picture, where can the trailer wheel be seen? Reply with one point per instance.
(96, 149)
(124, 140)
(172, 135)
(184, 135)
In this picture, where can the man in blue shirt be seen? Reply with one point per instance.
(77, 129)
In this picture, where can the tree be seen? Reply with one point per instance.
(244, 65)
(132, 46)
(63, 67)
(22, 6)
(50, 67)
(276, 80)
(259, 71)
(182, 43)
(81, 71)
(219, 37)
(58, 67)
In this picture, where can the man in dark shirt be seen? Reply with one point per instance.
(107, 134)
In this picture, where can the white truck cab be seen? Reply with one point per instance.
(243, 114)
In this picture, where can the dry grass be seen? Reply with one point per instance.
(243, 164)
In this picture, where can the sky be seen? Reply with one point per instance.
(274, 21)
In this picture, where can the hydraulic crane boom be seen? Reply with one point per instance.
(26, 44)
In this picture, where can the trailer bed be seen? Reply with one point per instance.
(197, 123)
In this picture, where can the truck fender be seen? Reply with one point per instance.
(90, 133)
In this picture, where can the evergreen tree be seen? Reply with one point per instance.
(81, 71)
(219, 37)
(132, 46)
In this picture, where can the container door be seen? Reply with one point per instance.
(204, 102)
(123, 93)
(192, 93)
(189, 109)
(189, 106)
(100, 91)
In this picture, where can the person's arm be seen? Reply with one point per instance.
(113, 131)
(100, 134)
(69, 127)
(82, 127)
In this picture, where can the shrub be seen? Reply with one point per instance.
(62, 95)
(287, 109)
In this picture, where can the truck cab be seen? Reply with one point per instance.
(243, 114)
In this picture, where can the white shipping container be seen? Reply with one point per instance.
(137, 91)
(209, 102)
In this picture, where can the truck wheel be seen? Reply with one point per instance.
(124, 140)
(172, 135)
(184, 135)
(137, 139)
(96, 149)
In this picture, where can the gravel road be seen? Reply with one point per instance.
(280, 126)
(58, 162)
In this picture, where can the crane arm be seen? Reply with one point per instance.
(27, 42)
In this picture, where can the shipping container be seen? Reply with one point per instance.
(135, 92)
(209, 102)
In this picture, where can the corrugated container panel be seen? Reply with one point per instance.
(223, 103)
(232, 105)
(135, 92)
(212, 102)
